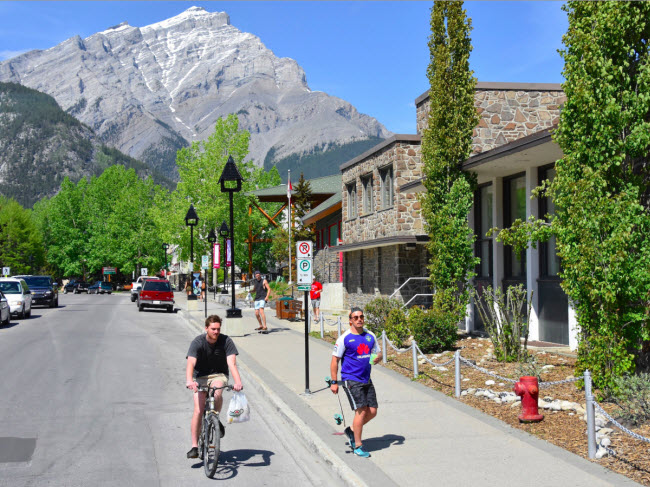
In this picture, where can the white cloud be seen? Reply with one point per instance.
(6, 54)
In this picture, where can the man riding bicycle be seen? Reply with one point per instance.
(210, 358)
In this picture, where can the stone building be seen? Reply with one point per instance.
(383, 240)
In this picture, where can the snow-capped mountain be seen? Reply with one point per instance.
(150, 90)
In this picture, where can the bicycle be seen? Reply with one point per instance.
(210, 435)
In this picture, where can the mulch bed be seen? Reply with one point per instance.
(565, 429)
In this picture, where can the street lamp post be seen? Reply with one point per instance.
(231, 175)
(191, 219)
(224, 231)
(165, 247)
(212, 238)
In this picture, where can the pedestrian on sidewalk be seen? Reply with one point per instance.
(261, 296)
(202, 289)
(356, 349)
(210, 358)
(188, 287)
(314, 295)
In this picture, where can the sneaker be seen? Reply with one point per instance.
(360, 452)
(193, 453)
(222, 429)
(350, 434)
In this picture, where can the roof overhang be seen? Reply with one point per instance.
(327, 210)
(382, 242)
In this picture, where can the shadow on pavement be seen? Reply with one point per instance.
(230, 461)
(383, 442)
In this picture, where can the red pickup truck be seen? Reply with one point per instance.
(156, 293)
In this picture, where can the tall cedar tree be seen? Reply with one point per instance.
(302, 206)
(446, 144)
(602, 186)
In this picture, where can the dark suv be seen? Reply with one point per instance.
(44, 290)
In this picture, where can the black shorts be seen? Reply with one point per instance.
(360, 394)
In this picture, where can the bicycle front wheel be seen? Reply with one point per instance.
(211, 444)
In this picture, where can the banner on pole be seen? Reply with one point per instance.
(228, 252)
(216, 256)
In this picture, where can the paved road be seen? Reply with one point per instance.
(92, 393)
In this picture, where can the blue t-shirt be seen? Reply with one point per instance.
(354, 352)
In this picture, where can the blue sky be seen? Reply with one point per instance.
(371, 54)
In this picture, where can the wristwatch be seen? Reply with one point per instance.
(334, 382)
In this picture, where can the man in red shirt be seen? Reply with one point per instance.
(314, 294)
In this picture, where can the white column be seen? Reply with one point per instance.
(497, 221)
(532, 257)
(574, 328)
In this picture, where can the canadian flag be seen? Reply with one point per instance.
(289, 189)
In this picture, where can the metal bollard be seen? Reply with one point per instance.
(415, 359)
(384, 346)
(338, 326)
(457, 372)
(322, 326)
(591, 416)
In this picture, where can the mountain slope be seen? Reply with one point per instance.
(149, 91)
(40, 145)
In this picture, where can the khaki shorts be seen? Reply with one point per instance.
(208, 380)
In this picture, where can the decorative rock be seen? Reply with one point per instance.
(489, 382)
(566, 406)
(497, 400)
(471, 390)
(440, 368)
(548, 398)
(600, 453)
(514, 404)
(501, 384)
(548, 367)
(466, 379)
(463, 393)
(605, 442)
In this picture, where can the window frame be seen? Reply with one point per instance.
(387, 190)
(368, 206)
(352, 200)
(507, 222)
(480, 233)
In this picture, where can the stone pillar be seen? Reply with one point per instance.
(532, 257)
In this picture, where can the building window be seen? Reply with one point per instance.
(333, 234)
(386, 176)
(352, 201)
(483, 205)
(514, 195)
(368, 206)
(549, 260)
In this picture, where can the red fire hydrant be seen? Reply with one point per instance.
(528, 389)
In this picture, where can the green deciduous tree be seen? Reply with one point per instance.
(446, 144)
(21, 246)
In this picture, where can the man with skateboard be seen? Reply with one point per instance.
(356, 349)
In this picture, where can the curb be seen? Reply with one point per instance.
(312, 440)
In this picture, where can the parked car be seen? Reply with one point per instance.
(135, 287)
(18, 296)
(100, 287)
(70, 286)
(82, 287)
(156, 293)
(5, 312)
(43, 288)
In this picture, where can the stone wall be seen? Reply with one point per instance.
(506, 114)
(327, 265)
(403, 218)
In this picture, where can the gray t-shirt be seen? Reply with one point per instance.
(211, 358)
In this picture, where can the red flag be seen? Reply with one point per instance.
(289, 188)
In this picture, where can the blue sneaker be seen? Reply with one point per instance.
(360, 452)
(350, 434)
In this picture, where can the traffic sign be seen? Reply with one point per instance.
(304, 249)
(144, 271)
(204, 261)
(304, 287)
(304, 271)
(6, 271)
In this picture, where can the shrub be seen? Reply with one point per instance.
(632, 394)
(396, 327)
(506, 319)
(433, 331)
(376, 312)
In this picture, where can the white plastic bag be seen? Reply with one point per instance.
(238, 410)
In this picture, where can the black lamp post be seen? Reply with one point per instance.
(191, 219)
(231, 175)
(224, 231)
(212, 238)
(165, 247)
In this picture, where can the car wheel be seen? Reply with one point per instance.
(170, 309)
(29, 313)
(52, 304)
(21, 315)
(6, 322)
(56, 302)
(75, 292)
(132, 298)
(140, 307)
(65, 291)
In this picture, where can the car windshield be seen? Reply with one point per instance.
(10, 287)
(35, 281)
(156, 286)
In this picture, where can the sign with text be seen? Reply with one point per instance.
(205, 262)
(109, 270)
(304, 249)
(216, 256)
(304, 271)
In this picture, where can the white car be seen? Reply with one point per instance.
(5, 313)
(18, 296)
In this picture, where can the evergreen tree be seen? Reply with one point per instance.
(302, 205)
(446, 144)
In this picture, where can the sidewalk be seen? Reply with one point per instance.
(419, 437)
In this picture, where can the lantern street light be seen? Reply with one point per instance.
(165, 247)
(231, 175)
(212, 238)
(224, 231)
(191, 219)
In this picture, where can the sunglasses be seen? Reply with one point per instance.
(355, 318)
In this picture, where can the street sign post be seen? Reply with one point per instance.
(305, 277)
(205, 262)
(144, 271)
(6, 271)
(109, 270)
(304, 249)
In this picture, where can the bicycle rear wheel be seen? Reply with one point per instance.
(211, 444)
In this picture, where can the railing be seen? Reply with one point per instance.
(416, 295)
